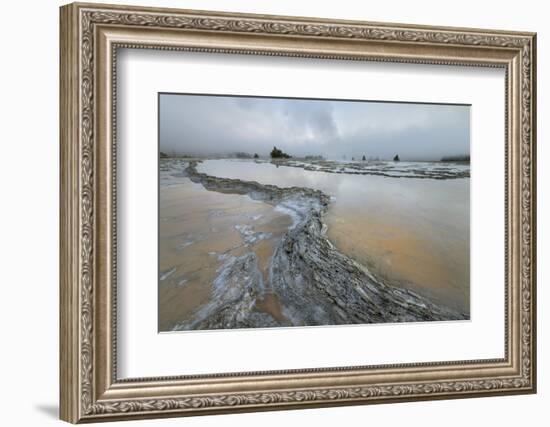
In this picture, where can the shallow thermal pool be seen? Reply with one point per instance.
(412, 232)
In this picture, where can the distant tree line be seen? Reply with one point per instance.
(163, 155)
(242, 155)
(364, 158)
(462, 158)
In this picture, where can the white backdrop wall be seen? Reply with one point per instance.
(29, 170)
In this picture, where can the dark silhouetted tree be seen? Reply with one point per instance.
(364, 158)
(256, 156)
(396, 158)
(278, 154)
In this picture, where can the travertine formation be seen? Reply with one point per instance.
(389, 169)
(314, 282)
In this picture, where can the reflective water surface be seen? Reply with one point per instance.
(413, 232)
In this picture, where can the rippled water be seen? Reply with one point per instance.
(412, 232)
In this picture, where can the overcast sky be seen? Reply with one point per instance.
(207, 125)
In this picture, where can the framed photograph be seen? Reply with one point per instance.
(267, 212)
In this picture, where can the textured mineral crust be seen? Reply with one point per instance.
(315, 283)
(419, 170)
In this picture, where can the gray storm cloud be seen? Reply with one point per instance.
(217, 125)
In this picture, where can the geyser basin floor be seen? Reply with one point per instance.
(412, 232)
(256, 280)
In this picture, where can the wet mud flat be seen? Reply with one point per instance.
(300, 279)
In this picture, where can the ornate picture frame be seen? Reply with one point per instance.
(90, 37)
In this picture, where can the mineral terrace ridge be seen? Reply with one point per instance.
(314, 282)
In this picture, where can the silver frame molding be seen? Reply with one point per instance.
(90, 37)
